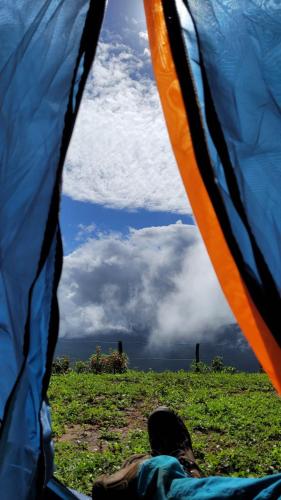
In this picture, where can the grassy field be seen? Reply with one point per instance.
(100, 420)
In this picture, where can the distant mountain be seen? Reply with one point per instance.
(173, 356)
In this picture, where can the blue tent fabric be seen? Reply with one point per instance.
(163, 478)
(192, 47)
(231, 52)
(57, 491)
(46, 51)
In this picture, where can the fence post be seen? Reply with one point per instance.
(197, 357)
(120, 347)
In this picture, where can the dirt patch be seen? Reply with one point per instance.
(84, 435)
(95, 438)
(135, 417)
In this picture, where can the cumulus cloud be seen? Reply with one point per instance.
(120, 155)
(196, 304)
(158, 281)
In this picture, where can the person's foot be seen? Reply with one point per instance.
(122, 484)
(168, 435)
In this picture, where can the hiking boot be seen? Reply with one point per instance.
(168, 435)
(122, 484)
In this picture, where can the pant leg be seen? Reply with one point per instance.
(163, 478)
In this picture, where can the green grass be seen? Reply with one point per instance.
(100, 420)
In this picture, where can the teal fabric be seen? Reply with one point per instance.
(163, 478)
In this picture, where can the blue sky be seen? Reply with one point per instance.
(75, 214)
(134, 260)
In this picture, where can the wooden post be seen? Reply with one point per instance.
(120, 347)
(197, 356)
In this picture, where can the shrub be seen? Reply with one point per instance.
(230, 369)
(96, 361)
(217, 364)
(199, 367)
(81, 367)
(118, 362)
(61, 365)
(114, 362)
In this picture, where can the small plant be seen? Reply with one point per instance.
(96, 361)
(230, 369)
(61, 365)
(217, 364)
(81, 367)
(199, 367)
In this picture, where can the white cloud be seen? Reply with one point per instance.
(143, 35)
(146, 52)
(85, 231)
(196, 304)
(120, 155)
(158, 280)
